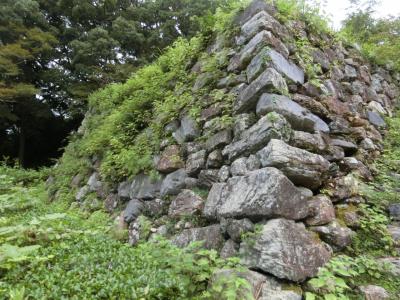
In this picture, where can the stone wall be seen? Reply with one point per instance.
(269, 185)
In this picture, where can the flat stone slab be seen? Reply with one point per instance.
(299, 117)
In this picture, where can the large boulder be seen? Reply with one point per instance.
(269, 81)
(144, 187)
(302, 167)
(271, 126)
(260, 194)
(299, 117)
(286, 250)
(133, 210)
(211, 237)
(336, 235)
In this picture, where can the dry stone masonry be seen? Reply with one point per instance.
(268, 185)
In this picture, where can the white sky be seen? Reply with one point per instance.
(337, 9)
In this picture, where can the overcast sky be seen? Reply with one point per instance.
(337, 9)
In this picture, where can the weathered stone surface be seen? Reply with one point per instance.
(236, 228)
(137, 232)
(224, 173)
(298, 117)
(241, 123)
(286, 250)
(336, 235)
(187, 203)
(210, 235)
(375, 119)
(215, 159)
(143, 187)
(394, 211)
(173, 183)
(230, 249)
(196, 162)
(188, 130)
(260, 21)
(321, 58)
(111, 202)
(170, 160)
(321, 209)
(311, 104)
(202, 80)
(238, 167)
(252, 9)
(349, 164)
(256, 137)
(347, 146)
(302, 167)
(374, 292)
(394, 231)
(344, 187)
(269, 81)
(308, 141)
(219, 139)
(133, 210)
(208, 177)
(155, 208)
(124, 189)
(82, 192)
(94, 183)
(260, 40)
(285, 67)
(263, 193)
(350, 72)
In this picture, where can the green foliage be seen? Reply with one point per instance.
(378, 37)
(338, 279)
(53, 251)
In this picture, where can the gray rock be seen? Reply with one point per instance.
(239, 167)
(334, 234)
(252, 9)
(173, 183)
(210, 236)
(374, 292)
(253, 163)
(394, 211)
(269, 81)
(302, 167)
(260, 21)
(214, 159)
(298, 117)
(133, 210)
(321, 58)
(155, 208)
(308, 141)
(236, 228)
(196, 162)
(260, 40)
(187, 203)
(347, 146)
(208, 177)
(202, 80)
(223, 173)
(219, 139)
(286, 250)
(143, 187)
(375, 119)
(82, 193)
(111, 202)
(394, 231)
(230, 249)
(241, 123)
(285, 67)
(124, 189)
(260, 194)
(170, 160)
(256, 137)
(188, 130)
(322, 211)
(350, 72)
(94, 183)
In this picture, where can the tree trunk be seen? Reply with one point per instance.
(21, 146)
